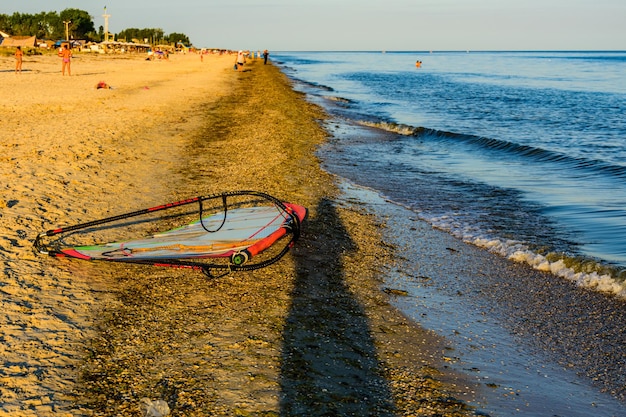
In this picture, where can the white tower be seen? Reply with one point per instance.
(106, 24)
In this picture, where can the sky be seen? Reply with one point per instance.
(364, 25)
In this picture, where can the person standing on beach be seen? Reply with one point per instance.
(241, 59)
(265, 55)
(66, 56)
(18, 59)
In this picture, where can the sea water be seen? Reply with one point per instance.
(522, 154)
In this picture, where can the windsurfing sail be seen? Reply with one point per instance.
(237, 230)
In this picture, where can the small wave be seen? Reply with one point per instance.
(585, 273)
(400, 129)
(311, 84)
(316, 85)
(491, 144)
(543, 155)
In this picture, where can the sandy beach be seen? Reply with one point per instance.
(314, 334)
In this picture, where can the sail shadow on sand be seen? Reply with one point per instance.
(329, 362)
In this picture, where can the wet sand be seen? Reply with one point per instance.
(312, 335)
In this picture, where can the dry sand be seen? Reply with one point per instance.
(311, 335)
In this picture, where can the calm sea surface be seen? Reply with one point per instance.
(522, 154)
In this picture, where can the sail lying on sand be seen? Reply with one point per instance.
(238, 230)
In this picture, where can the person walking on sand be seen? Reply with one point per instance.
(265, 55)
(19, 54)
(66, 56)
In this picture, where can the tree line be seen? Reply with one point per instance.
(154, 36)
(52, 25)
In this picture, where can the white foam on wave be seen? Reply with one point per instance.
(518, 252)
(391, 127)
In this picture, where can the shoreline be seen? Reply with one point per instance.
(522, 337)
(311, 334)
